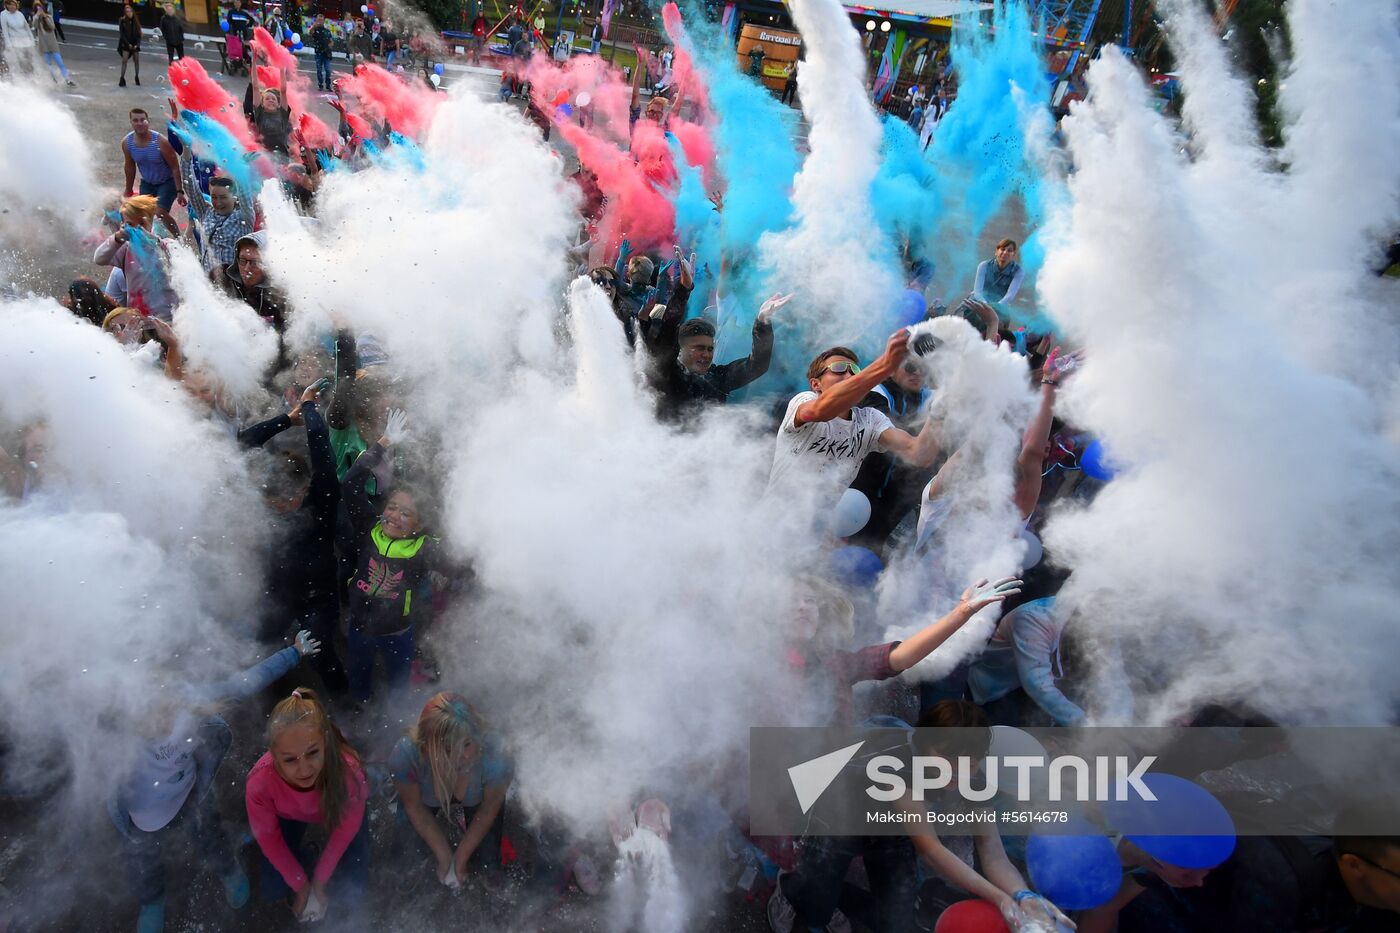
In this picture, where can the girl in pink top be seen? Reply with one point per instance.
(310, 775)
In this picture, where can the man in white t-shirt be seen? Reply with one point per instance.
(824, 436)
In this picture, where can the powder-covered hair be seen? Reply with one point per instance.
(139, 209)
(446, 728)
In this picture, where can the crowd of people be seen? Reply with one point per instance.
(357, 573)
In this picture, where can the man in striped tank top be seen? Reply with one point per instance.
(148, 151)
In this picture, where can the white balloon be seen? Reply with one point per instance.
(851, 513)
(435, 79)
(584, 99)
(1033, 549)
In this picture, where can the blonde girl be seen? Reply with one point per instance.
(452, 778)
(310, 776)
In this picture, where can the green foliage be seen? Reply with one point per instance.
(445, 14)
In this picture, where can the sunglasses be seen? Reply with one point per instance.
(842, 366)
(606, 281)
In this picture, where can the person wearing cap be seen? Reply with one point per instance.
(825, 434)
(690, 379)
(246, 279)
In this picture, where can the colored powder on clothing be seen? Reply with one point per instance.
(196, 91)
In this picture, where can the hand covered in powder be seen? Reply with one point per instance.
(395, 428)
(1058, 366)
(982, 594)
(773, 306)
(306, 645)
(314, 909)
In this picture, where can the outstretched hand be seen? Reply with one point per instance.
(983, 593)
(772, 306)
(311, 394)
(687, 268)
(306, 646)
(1059, 365)
(395, 428)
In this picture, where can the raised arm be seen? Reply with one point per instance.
(352, 490)
(174, 356)
(741, 372)
(324, 494)
(844, 396)
(1031, 461)
(198, 206)
(923, 643)
(258, 434)
(261, 675)
(342, 402)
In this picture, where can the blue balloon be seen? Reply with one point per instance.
(1094, 462)
(223, 24)
(856, 567)
(1077, 872)
(298, 47)
(437, 69)
(1185, 826)
(912, 308)
(566, 110)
